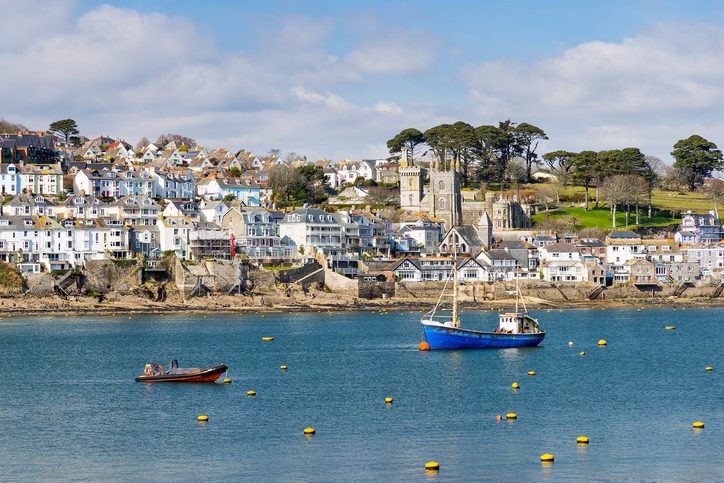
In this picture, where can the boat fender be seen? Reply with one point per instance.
(147, 370)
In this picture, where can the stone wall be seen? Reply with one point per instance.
(206, 277)
(108, 276)
(339, 283)
(375, 290)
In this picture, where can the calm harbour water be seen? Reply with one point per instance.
(71, 410)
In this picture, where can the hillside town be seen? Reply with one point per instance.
(64, 205)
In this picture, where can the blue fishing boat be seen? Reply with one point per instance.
(443, 331)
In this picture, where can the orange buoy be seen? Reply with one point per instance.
(498, 417)
(424, 346)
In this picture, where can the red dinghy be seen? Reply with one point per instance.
(158, 373)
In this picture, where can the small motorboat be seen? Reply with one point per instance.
(157, 373)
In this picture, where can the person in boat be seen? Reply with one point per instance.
(158, 369)
(148, 370)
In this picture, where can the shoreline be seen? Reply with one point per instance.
(21, 307)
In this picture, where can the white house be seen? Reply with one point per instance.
(559, 252)
(181, 186)
(174, 236)
(564, 271)
(622, 246)
(213, 211)
(9, 179)
(43, 179)
(313, 228)
(59, 244)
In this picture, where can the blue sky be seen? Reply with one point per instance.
(337, 79)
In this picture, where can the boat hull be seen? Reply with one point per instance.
(439, 337)
(204, 375)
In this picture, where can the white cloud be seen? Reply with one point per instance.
(121, 72)
(648, 90)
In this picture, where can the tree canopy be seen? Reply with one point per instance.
(410, 137)
(67, 128)
(696, 158)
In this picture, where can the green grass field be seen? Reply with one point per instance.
(601, 218)
(667, 209)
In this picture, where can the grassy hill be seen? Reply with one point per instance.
(601, 218)
(667, 209)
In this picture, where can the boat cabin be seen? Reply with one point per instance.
(517, 323)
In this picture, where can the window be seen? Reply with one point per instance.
(441, 185)
(441, 203)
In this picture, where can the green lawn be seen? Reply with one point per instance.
(601, 218)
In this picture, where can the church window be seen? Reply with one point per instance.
(410, 199)
(441, 203)
(441, 185)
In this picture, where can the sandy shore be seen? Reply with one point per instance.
(320, 302)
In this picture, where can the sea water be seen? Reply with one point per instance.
(70, 409)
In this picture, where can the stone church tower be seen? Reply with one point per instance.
(411, 183)
(444, 198)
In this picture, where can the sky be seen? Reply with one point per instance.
(338, 79)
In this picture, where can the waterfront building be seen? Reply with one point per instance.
(42, 241)
(312, 228)
(256, 234)
(699, 228)
(559, 270)
(622, 246)
(500, 261)
(174, 235)
(557, 252)
(709, 257)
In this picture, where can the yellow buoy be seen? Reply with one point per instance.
(708, 368)
(511, 416)
(515, 385)
(267, 339)
(251, 393)
(227, 380)
(698, 425)
(309, 430)
(283, 367)
(582, 353)
(531, 373)
(203, 418)
(602, 342)
(432, 466)
(670, 327)
(547, 457)
(388, 400)
(582, 440)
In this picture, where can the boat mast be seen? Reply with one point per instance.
(455, 321)
(517, 294)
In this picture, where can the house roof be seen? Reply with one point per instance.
(561, 247)
(623, 235)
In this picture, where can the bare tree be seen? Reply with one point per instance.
(142, 143)
(292, 156)
(614, 191)
(713, 188)
(164, 139)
